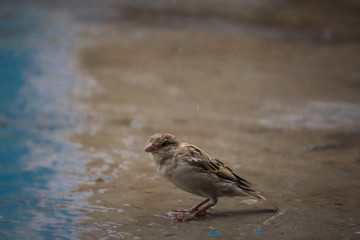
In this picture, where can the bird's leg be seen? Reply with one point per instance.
(197, 213)
(193, 209)
(196, 207)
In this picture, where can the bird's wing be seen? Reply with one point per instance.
(200, 159)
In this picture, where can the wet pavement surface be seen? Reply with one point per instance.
(273, 90)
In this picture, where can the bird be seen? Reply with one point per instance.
(193, 170)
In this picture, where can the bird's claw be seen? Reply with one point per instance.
(186, 218)
(191, 210)
(190, 216)
(180, 213)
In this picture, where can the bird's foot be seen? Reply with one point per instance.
(192, 216)
(180, 212)
(191, 210)
(183, 211)
(183, 218)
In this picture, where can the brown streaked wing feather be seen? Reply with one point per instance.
(204, 162)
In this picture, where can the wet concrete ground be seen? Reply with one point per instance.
(270, 89)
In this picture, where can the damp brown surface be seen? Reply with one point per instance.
(275, 95)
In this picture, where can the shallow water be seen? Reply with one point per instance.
(277, 99)
(40, 166)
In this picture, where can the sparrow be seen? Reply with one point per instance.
(193, 170)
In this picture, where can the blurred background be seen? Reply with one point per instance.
(272, 88)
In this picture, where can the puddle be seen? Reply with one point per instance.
(37, 116)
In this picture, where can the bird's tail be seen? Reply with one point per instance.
(259, 196)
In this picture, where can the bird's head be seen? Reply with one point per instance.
(162, 142)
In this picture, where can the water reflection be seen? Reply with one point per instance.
(39, 166)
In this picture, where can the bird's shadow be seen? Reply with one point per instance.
(242, 212)
(228, 214)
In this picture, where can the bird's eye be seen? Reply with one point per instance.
(164, 144)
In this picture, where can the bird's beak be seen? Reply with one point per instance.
(149, 148)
